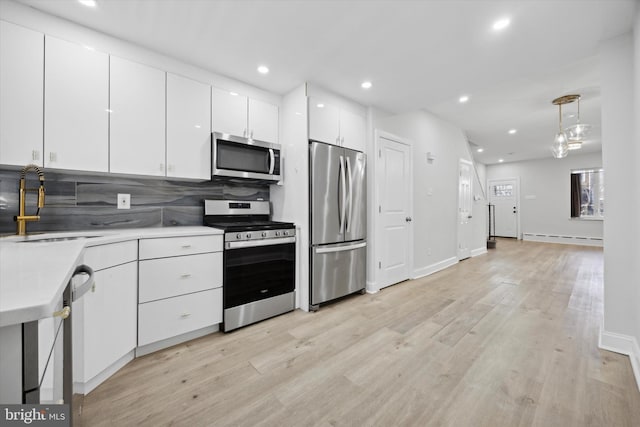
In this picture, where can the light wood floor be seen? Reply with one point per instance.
(503, 339)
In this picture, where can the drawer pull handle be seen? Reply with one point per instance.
(264, 291)
(185, 276)
(64, 313)
(186, 246)
(185, 315)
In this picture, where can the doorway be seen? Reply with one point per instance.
(394, 189)
(504, 195)
(465, 230)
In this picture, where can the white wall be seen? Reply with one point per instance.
(636, 74)
(435, 188)
(620, 154)
(549, 181)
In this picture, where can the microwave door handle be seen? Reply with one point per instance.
(272, 161)
(342, 199)
(350, 197)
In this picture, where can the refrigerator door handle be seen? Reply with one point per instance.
(340, 248)
(350, 197)
(272, 160)
(342, 203)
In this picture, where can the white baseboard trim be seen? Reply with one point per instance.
(433, 268)
(564, 239)
(372, 288)
(479, 251)
(87, 387)
(623, 344)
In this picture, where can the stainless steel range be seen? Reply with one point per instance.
(259, 261)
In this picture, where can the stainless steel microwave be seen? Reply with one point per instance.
(237, 157)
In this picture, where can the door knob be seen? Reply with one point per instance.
(408, 219)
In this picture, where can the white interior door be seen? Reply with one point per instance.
(395, 211)
(465, 231)
(503, 193)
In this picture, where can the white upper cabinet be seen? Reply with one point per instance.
(21, 89)
(228, 112)
(353, 130)
(324, 121)
(137, 118)
(263, 121)
(242, 116)
(336, 125)
(76, 100)
(188, 128)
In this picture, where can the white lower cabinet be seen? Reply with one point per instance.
(180, 289)
(167, 318)
(104, 320)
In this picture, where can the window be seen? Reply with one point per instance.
(503, 190)
(587, 193)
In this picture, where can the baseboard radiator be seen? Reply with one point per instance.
(567, 240)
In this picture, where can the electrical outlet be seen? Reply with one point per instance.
(124, 201)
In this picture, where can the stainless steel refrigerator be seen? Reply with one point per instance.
(338, 214)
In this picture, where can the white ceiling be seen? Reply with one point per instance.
(419, 54)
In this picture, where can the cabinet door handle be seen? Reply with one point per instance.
(342, 140)
(64, 313)
(185, 275)
(53, 156)
(35, 155)
(187, 246)
(244, 133)
(185, 315)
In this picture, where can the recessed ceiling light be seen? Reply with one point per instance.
(366, 85)
(263, 69)
(513, 131)
(233, 93)
(480, 150)
(463, 99)
(197, 126)
(501, 24)
(320, 105)
(501, 160)
(88, 3)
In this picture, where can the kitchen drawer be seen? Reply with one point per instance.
(176, 246)
(105, 256)
(169, 277)
(170, 317)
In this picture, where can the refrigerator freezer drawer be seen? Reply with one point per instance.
(337, 270)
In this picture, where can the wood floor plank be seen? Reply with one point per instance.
(504, 339)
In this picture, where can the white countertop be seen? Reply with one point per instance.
(33, 275)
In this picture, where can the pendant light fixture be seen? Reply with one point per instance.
(571, 137)
(577, 132)
(561, 143)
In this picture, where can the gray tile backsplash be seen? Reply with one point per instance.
(86, 202)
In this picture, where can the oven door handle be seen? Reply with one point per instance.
(256, 243)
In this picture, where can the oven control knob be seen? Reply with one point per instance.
(238, 236)
(248, 235)
(264, 234)
(286, 233)
(277, 233)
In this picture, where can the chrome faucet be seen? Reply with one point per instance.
(22, 219)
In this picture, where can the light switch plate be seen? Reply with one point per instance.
(124, 201)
